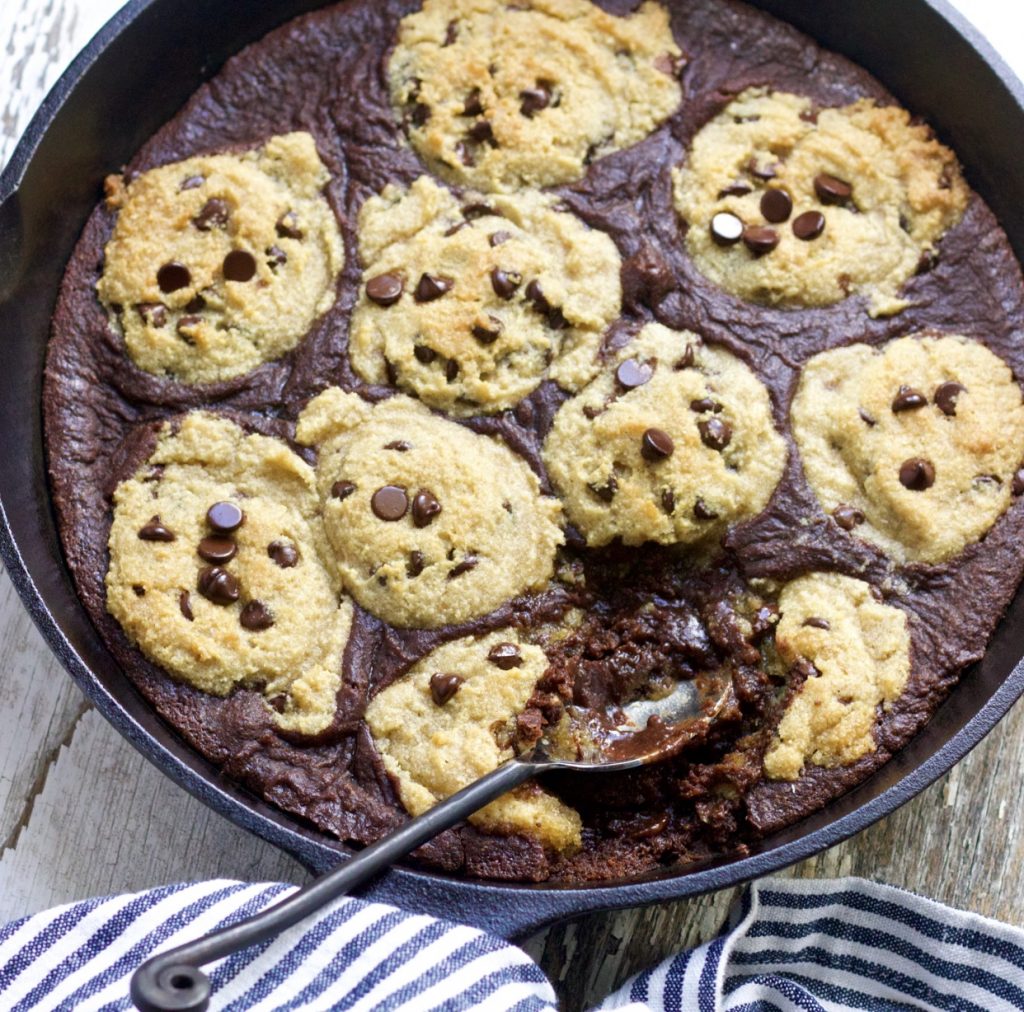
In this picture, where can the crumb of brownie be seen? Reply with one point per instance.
(793, 205)
(673, 442)
(860, 652)
(469, 304)
(430, 522)
(447, 722)
(912, 446)
(221, 606)
(500, 96)
(219, 263)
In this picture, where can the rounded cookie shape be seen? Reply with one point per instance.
(912, 446)
(448, 721)
(470, 305)
(221, 262)
(431, 523)
(217, 570)
(673, 442)
(501, 96)
(853, 654)
(796, 206)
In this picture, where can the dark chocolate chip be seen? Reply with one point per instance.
(172, 276)
(186, 323)
(831, 190)
(471, 212)
(256, 617)
(451, 370)
(534, 100)
(425, 507)
(702, 511)
(1017, 486)
(217, 585)
(866, 418)
(668, 501)
(632, 374)
(705, 405)
(191, 183)
(917, 474)
(288, 226)
(138, 590)
(419, 114)
(196, 304)
(342, 489)
(505, 283)
(239, 265)
(284, 553)
(432, 287)
(490, 333)
(455, 229)
(947, 394)
(217, 550)
(443, 687)
(499, 238)
(505, 656)
(278, 703)
(424, 354)
(605, 492)
(276, 257)
(415, 564)
(760, 239)
(537, 299)
(848, 517)
(185, 604)
(809, 225)
(451, 33)
(473, 106)
(469, 562)
(225, 516)
(389, 503)
(656, 445)
(907, 399)
(156, 531)
(687, 360)
(776, 206)
(734, 190)
(401, 445)
(385, 289)
(715, 433)
(213, 214)
(154, 313)
(726, 229)
(764, 172)
(481, 132)
(815, 622)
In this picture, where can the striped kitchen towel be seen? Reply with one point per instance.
(788, 945)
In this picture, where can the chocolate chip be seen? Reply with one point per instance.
(734, 190)
(154, 313)
(605, 492)
(415, 564)
(256, 617)
(451, 370)
(656, 445)
(907, 399)
(213, 214)
(455, 229)
(776, 206)
(469, 562)
(342, 489)
(285, 554)
(726, 229)
(385, 289)
(425, 507)
(401, 445)
(715, 433)
(848, 517)
(499, 238)
(702, 511)
(173, 276)
(917, 474)
(138, 590)
(947, 394)
(389, 503)
(831, 190)
(278, 703)
(537, 299)
(1017, 486)
(443, 687)
(186, 323)
(217, 550)
(288, 226)
(239, 265)
(156, 531)
(866, 418)
(760, 239)
(534, 100)
(217, 585)
(815, 622)
(705, 405)
(764, 172)
(687, 360)
(451, 33)
(196, 304)
(419, 114)
(185, 604)
(505, 283)
(473, 106)
(505, 656)
(490, 333)
(668, 501)
(225, 516)
(471, 212)
(809, 225)
(276, 257)
(191, 183)
(632, 374)
(432, 287)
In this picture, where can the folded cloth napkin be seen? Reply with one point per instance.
(787, 945)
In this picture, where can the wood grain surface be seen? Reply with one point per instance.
(82, 814)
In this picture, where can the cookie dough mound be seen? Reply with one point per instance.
(448, 721)
(858, 650)
(500, 96)
(217, 608)
(673, 443)
(431, 523)
(470, 305)
(221, 262)
(912, 446)
(796, 206)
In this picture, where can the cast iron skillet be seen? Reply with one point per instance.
(129, 80)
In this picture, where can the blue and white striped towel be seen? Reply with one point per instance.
(788, 945)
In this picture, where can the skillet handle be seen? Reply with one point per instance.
(173, 982)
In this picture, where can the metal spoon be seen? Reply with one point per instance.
(637, 734)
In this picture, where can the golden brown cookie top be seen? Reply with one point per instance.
(673, 442)
(217, 570)
(912, 446)
(854, 653)
(221, 262)
(501, 96)
(795, 206)
(431, 523)
(470, 304)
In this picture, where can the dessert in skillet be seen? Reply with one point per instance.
(578, 349)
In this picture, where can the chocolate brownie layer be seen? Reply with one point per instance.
(645, 612)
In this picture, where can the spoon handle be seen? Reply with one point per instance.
(172, 982)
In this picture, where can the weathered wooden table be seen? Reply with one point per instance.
(82, 814)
